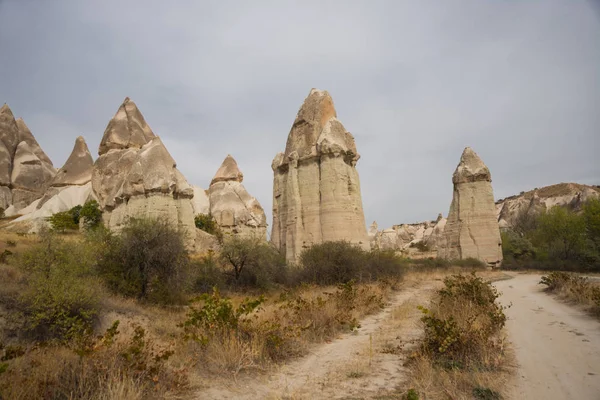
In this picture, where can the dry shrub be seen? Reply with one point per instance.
(257, 332)
(463, 352)
(107, 367)
(579, 289)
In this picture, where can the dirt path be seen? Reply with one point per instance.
(363, 364)
(557, 346)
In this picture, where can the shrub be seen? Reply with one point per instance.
(462, 325)
(148, 260)
(421, 246)
(62, 298)
(1, 212)
(91, 214)
(579, 289)
(207, 223)
(250, 261)
(63, 221)
(330, 263)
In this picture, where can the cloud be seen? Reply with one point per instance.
(415, 82)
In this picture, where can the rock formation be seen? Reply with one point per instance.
(235, 211)
(136, 176)
(571, 195)
(76, 172)
(316, 189)
(405, 237)
(25, 170)
(472, 228)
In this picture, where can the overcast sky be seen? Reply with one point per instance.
(413, 81)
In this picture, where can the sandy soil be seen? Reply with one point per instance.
(557, 346)
(364, 364)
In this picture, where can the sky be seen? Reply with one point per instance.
(414, 81)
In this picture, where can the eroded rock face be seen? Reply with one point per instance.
(572, 195)
(316, 188)
(25, 170)
(472, 228)
(135, 176)
(77, 171)
(235, 211)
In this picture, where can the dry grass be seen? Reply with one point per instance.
(477, 361)
(579, 290)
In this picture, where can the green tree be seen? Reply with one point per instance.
(562, 231)
(591, 216)
(91, 214)
(63, 221)
(148, 260)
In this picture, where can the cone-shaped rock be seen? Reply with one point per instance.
(30, 176)
(9, 131)
(26, 136)
(316, 189)
(127, 129)
(77, 171)
(229, 171)
(472, 228)
(135, 176)
(235, 211)
(78, 168)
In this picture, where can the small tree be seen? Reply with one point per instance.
(63, 221)
(562, 231)
(252, 261)
(91, 214)
(148, 260)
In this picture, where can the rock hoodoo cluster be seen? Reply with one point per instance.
(572, 195)
(235, 211)
(136, 176)
(25, 170)
(472, 228)
(404, 237)
(316, 189)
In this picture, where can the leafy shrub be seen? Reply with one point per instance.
(207, 223)
(63, 221)
(91, 214)
(250, 261)
(62, 298)
(332, 262)
(216, 316)
(462, 325)
(577, 288)
(421, 246)
(147, 260)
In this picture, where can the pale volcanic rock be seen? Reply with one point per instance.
(78, 168)
(30, 176)
(316, 188)
(25, 135)
(126, 130)
(135, 176)
(77, 171)
(472, 228)
(233, 208)
(200, 201)
(572, 195)
(25, 170)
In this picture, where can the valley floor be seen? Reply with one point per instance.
(557, 346)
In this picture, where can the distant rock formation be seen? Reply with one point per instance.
(136, 176)
(235, 211)
(571, 195)
(77, 171)
(25, 170)
(472, 228)
(316, 189)
(405, 237)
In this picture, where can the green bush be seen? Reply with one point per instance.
(62, 298)
(207, 223)
(332, 262)
(463, 322)
(147, 260)
(91, 214)
(63, 221)
(250, 261)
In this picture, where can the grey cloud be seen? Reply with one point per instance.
(415, 82)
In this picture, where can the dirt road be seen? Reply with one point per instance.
(363, 364)
(557, 346)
